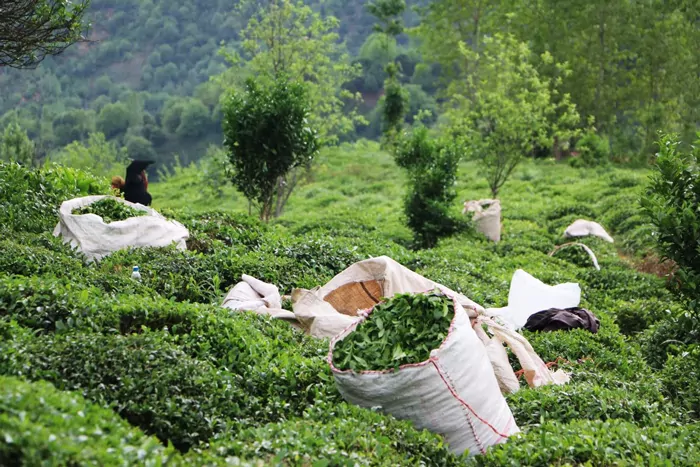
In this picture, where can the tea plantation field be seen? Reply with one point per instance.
(96, 369)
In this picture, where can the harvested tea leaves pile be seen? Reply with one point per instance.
(401, 330)
(110, 210)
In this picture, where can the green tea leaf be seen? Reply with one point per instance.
(403, 329)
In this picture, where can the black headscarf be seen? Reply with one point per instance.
(134, 186)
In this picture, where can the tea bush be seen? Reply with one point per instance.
(40, 425)
(236, 388)
(671, 204)
(681, 375)
(587, 401)
(586, 442)
(29, 199)
(324, 433)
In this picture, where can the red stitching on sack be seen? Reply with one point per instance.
(461, 401)
(466, 412)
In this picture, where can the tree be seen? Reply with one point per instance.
(290, 39)
(194, 120)
(30, 30)
(113, 120)
(138, 147)
(671, 203)
(15, 146)
(267, 136)
(432, 172)
(73, 125)
(97, 155)
(395, 102)
(508, 108)
(448, 25)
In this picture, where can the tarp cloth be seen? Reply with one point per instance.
(96, 239)
(584, 228)
(529, 295)
(328, 310)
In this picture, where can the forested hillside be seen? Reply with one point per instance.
(143, 79)
(152, 76)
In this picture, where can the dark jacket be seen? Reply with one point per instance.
(135, 184)
(556, 319)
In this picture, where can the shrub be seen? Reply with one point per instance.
(635, 316)
(668, 338)
(584, 400)
(340, 435)
(29, 199)
(594, 150)
(26, 259)
(681, 377)
(267, 137)
(672, 204)
(432, 167)
(147, 380)
(42, 426)
(174, 274)
(45, 304)
(586, 442)
(608, 349)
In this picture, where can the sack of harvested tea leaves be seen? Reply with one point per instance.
(416, 357)
(99, 225)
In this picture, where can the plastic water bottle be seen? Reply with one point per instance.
(135, 274)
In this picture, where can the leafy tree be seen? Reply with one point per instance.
(394, 105)
(113, 120)
(32, 29)
(15, 146)
(432, 172)
(508, 108)
(97, 155)
(290, 39)
(267, 135)
(388, 12)
(395, 102)
(379, 49)
(73, 125)
(139, 147)
(671, 202)
(172, 114)
(449, 25)
(194, 120)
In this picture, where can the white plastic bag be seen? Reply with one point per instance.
(97, 239)
(529, 295)
(260, 297)
(326, 311)
(487, 221)
(329, 310)
(584, 228)
(454, 393)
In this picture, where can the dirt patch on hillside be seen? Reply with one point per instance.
(651, 263)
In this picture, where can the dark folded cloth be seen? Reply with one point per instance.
(555, 319)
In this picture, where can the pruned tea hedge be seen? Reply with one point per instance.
(157, 361)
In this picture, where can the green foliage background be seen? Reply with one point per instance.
(223, 386)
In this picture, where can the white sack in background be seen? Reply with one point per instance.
(97, 239)
(584, 228)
